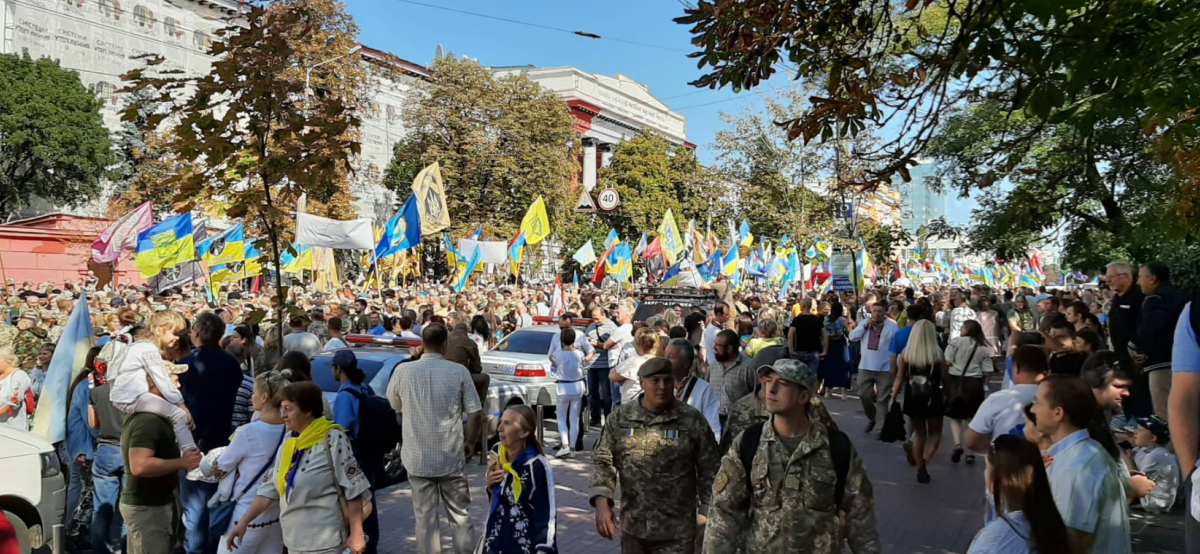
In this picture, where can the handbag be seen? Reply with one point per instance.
(893, 425)
(221, 515)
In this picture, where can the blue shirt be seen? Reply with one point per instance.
(1089, 494)
(376, 330)
(210, 389)
(81, 437)
(1185, 354)
(1008, 535)
(900, 340)
(345, 406)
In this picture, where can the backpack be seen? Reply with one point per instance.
(839, 448)
(378, 428)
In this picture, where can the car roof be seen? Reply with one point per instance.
(376, 353)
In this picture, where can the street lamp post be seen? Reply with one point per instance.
(308, 71)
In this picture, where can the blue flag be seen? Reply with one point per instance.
(461, 282)
(70, 356)
(478, 233)
(402, 231)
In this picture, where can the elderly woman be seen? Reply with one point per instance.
(520, 483)
(315, 481)
(14, 392)
(250, 456)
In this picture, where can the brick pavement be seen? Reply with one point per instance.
(939, 518)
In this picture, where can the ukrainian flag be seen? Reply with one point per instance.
(729, 263)
(671, 277)
(744, 231)
(226, 247)
(301, 260)
(465, 276)
(167, 244)
(453, 256)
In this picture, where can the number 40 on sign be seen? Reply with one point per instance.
(609, 199)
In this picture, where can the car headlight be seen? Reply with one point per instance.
(50, 464)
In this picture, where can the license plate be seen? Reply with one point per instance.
(510, 369)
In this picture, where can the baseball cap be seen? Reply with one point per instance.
(791, 370)
(655, 366)
(345, 359)
(31, 315)
(1158, 426)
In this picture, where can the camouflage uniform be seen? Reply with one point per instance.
(789, 505)
(27, 344)
(751, 410)
(8, 334)
(665, 464)
(320, 329)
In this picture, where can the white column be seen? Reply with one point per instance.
(606, 155)
(589, 165)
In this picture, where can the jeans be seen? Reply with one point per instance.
(431, 495)
(200, 537)
(108, 529)
(74, 491)
(599, 393)
(616, 394)
(809, 359)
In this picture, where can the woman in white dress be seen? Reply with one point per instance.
(250, 455)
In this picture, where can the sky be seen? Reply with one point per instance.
(659, 59)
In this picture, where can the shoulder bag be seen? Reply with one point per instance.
(222, 513)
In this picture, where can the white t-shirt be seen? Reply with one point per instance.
(335, 343)
(253, 445)
(566, 371)
(622, 336)
(1003, 410)
(142, 359)
(631, 387)
(710, 339)
(12, 394)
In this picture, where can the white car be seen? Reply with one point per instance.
(33, 492)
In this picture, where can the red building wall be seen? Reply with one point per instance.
(56, 247)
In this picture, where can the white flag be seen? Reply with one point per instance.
(585, 255)
(313, 230)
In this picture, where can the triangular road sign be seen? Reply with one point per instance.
(585, 204)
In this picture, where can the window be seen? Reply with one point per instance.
(393, 112)
(107, 92)
(200, 40)
(172, 27)
(111, 8)
(143, 16)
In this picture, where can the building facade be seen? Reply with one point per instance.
(607, 110)
(101, 39)
(922, 204)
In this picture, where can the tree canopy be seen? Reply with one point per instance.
(53, 143)
(500, 142)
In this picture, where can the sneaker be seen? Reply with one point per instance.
(970, 458)
(563, 453)
(923, 476)
(870, 426)
(908, 454)
(958, 454)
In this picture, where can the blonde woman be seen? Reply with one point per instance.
(146, 359)
(768, 330)
(921, 370)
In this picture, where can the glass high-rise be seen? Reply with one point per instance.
(922, 203)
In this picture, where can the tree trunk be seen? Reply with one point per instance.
(279, 297)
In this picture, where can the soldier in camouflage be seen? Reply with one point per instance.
(789, 502)
(752, 410)
(29, 339)
(319, 326)
(54, 323)
(663, 454)
(8, 334)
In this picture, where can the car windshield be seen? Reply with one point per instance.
(526, 342)
(322, 371)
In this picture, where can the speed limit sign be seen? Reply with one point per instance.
(609, 199)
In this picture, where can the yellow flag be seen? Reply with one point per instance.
(431, 200)
(536, 225)
(672, 242)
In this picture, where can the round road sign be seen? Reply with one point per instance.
(609, 199)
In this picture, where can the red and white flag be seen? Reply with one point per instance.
(558, 303)
(122, 234)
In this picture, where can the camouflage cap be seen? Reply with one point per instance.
(31, 315)
(47, 314)
(791, 370)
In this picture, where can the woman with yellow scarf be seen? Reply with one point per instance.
(320, 489)
(520, 484)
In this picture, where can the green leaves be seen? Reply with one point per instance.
(53, 143)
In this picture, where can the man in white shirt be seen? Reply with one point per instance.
(720, 316)
(336, 336)
(623, 335)
(961, 313)
(1003, 411)
(875, 367)
(689, 387)
(300, 340)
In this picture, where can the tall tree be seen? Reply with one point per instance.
(500, 141)
(53, 143)
(258, 140)
(905, 65)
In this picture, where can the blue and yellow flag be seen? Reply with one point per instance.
(611, 239)
(70, 355)
(402, 231)
(167, 244)
(453, 256)
(672, 241)
(671, 277)
(461, 282)
(620, 262)
(225, 247)
(744, 234)
(729, 263)
(514, 253)
(301, 260)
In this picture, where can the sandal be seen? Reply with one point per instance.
(923, 476)
(970, 458)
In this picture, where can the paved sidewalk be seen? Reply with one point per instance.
(939, 518)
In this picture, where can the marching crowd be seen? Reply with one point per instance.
(197, 426)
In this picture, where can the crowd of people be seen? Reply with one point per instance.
(196, 424)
